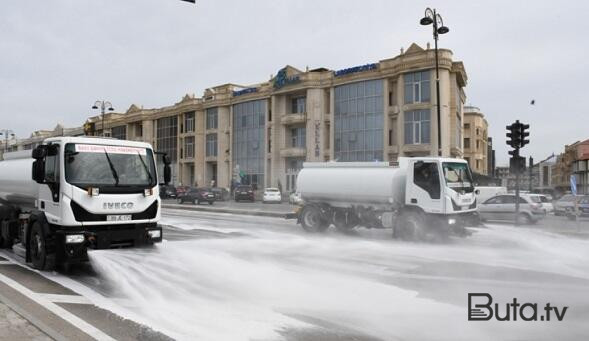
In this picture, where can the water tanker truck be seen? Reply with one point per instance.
(414, 196)
(70, 194)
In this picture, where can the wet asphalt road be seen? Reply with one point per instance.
(224, 276)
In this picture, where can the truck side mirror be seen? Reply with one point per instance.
(38, 171)
(39, 152)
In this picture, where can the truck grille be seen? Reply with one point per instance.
(80, 214)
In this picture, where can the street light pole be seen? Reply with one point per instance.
(432, 17)
(6, 133)
(103, 105)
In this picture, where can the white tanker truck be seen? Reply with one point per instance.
(74, 193)
(415, 196)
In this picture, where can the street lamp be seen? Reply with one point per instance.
(6, 133)
(103, 105)
(431, 17)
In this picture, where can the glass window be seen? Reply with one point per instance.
(298, 137)
(211, 145)
(189, 122)
(466, 143)
(248, 141)
(119, 132)
(299, 105)
(417, 127)
(359, 116)
(417, 87)
(166, 136)
(427, 177)
(212, 117)
(189, 147)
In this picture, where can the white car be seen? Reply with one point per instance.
(272, 195)
(546, 203)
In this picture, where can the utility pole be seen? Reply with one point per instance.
(531, 165)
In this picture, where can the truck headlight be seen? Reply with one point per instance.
(148, 191)
(74, 238)
(451, 221)
(154, 234)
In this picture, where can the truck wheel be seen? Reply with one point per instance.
(410, 227)
(312, 219)
(42, 260)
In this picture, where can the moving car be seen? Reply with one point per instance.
(181, 189)
(502, 207)
(272, 195)
(196, 196)
(546, 203)
(244, 192)
(565, 202)
(582, 206)
(483, 193)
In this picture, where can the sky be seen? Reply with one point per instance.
(58, 57)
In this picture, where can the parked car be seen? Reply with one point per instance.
(546, 203)
(196, 196)
(502, 207)
(244, 192)
(565, 202)
(295, 198)
(272, 195)
(167, 191)
(221, 194)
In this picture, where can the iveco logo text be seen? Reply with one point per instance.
(117, 205)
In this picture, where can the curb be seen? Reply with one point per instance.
(227, 210)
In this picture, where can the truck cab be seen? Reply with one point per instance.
(83, 192)
(439, 185)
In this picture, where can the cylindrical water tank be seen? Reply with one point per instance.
(351, 183)
(16, 185)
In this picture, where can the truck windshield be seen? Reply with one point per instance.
(112, 166)
(457, 175)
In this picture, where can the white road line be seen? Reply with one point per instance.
(59, 311)
(75, 299)
(5, 262)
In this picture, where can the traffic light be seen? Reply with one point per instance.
(513, 135)
(523, 134)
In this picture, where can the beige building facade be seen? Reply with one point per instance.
(476, 130)
(262, 133)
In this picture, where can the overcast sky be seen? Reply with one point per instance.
(57, 57)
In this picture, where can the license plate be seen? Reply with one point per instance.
(118, 217)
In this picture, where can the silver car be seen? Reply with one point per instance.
(502, 207)
(566, 203)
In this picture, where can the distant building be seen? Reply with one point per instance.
(475, 143)
(38, 136)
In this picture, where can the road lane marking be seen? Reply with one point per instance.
(77, 322)
(5, 262)
(74, 299)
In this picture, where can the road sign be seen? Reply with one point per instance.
(573, 185)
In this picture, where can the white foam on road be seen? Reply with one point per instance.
(253, 287)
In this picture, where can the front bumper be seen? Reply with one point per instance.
(105, 237)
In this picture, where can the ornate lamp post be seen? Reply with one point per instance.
(431, 17)
(103, 105)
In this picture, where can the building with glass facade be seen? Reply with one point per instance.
(262, 133)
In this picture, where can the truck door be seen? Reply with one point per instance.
(424, 189)
(49, 192)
